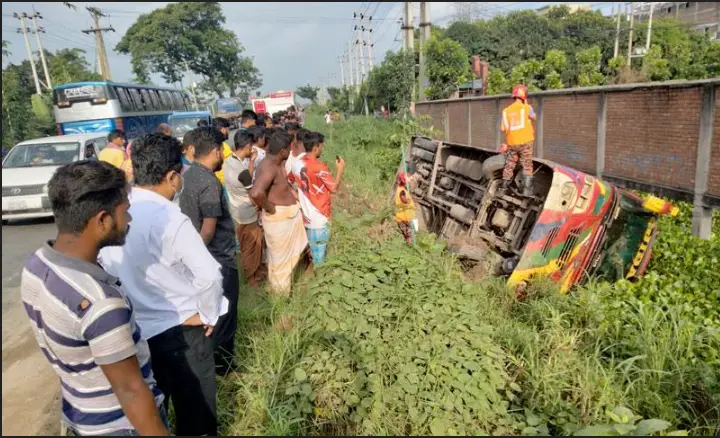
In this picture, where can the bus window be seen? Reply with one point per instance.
(125, 102)
(162, 98)
(135, 95)
(177, 101)
(146, 99)
(157, 106)
(167, 98)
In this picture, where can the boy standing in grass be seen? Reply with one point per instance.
(404, 208)
(315, 185)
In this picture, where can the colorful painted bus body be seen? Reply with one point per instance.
(93, 107)
(574, 227)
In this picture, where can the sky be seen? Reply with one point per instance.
(291, 43)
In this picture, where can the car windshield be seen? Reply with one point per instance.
(182, 125)
(42, 154)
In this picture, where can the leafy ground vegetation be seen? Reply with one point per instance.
(392, 339)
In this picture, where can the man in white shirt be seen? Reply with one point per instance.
(174, 284)
(258, 137)
(237, 170)
(297, 150)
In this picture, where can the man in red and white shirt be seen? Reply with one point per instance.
(315, 184)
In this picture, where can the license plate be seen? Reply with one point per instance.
(17, 205)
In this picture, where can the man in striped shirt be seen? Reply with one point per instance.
(83, 324)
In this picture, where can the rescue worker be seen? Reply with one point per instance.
(519, 137)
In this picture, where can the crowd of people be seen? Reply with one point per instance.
(134, 303)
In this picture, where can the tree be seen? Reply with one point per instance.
(308, 92)
(5, 49)
(447, 67)
(497, 82)
(589, 67)
(188, 35)
(555, 63)
(19, 119)
(70, 65)
(655, 67)
(340, 98)
(391, 83)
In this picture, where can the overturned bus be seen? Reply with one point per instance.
(572, 227)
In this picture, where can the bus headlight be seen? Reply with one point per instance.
(45, 189)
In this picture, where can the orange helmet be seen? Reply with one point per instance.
(520, 91)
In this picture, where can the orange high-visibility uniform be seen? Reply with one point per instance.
(517, 125)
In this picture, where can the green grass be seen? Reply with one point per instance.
(392, 339)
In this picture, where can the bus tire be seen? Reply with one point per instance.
(493, 166)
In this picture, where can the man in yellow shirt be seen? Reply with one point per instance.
(223, 125)
(115, 154)
(520, 136)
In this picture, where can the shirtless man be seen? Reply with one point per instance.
(281, 215)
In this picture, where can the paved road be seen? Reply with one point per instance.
(30, 402)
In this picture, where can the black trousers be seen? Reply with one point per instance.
(184, 368)
(224, 333)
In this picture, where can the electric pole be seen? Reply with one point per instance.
(370, 43)
(424, 38)
(409, 27)
(24, 31)
(352, 65)
(617, 32)
(649, 29)
(97, 30)
(630, 37)
(342, 71)
(360, 41)
(38, 29)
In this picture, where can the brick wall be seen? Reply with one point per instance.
(570, 130)
(714, 178)
(651, 132)
(458, 122)
(652, 135)
(484, 123)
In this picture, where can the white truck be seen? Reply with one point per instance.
(273, 102)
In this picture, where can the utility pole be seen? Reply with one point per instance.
(617, 32)
(424, 38)
(630, 37)
(360, 41)
(24, 31)
(35, 16)
(353, 66)
(192, 85)
(409, 27)
(370, 43)
(97, 30)
(342, 70)
(649, 29)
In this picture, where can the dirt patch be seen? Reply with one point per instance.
(30, 387)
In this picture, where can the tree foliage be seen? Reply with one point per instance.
(391, 83)
(189, 35)
(308, 92)
(19, 120)
(447, 67)
(529, 48)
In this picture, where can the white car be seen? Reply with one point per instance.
(28, 167)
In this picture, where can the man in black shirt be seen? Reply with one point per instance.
(203, 201)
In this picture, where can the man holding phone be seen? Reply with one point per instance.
(315, 185)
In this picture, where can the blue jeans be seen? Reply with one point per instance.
(128, 432)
